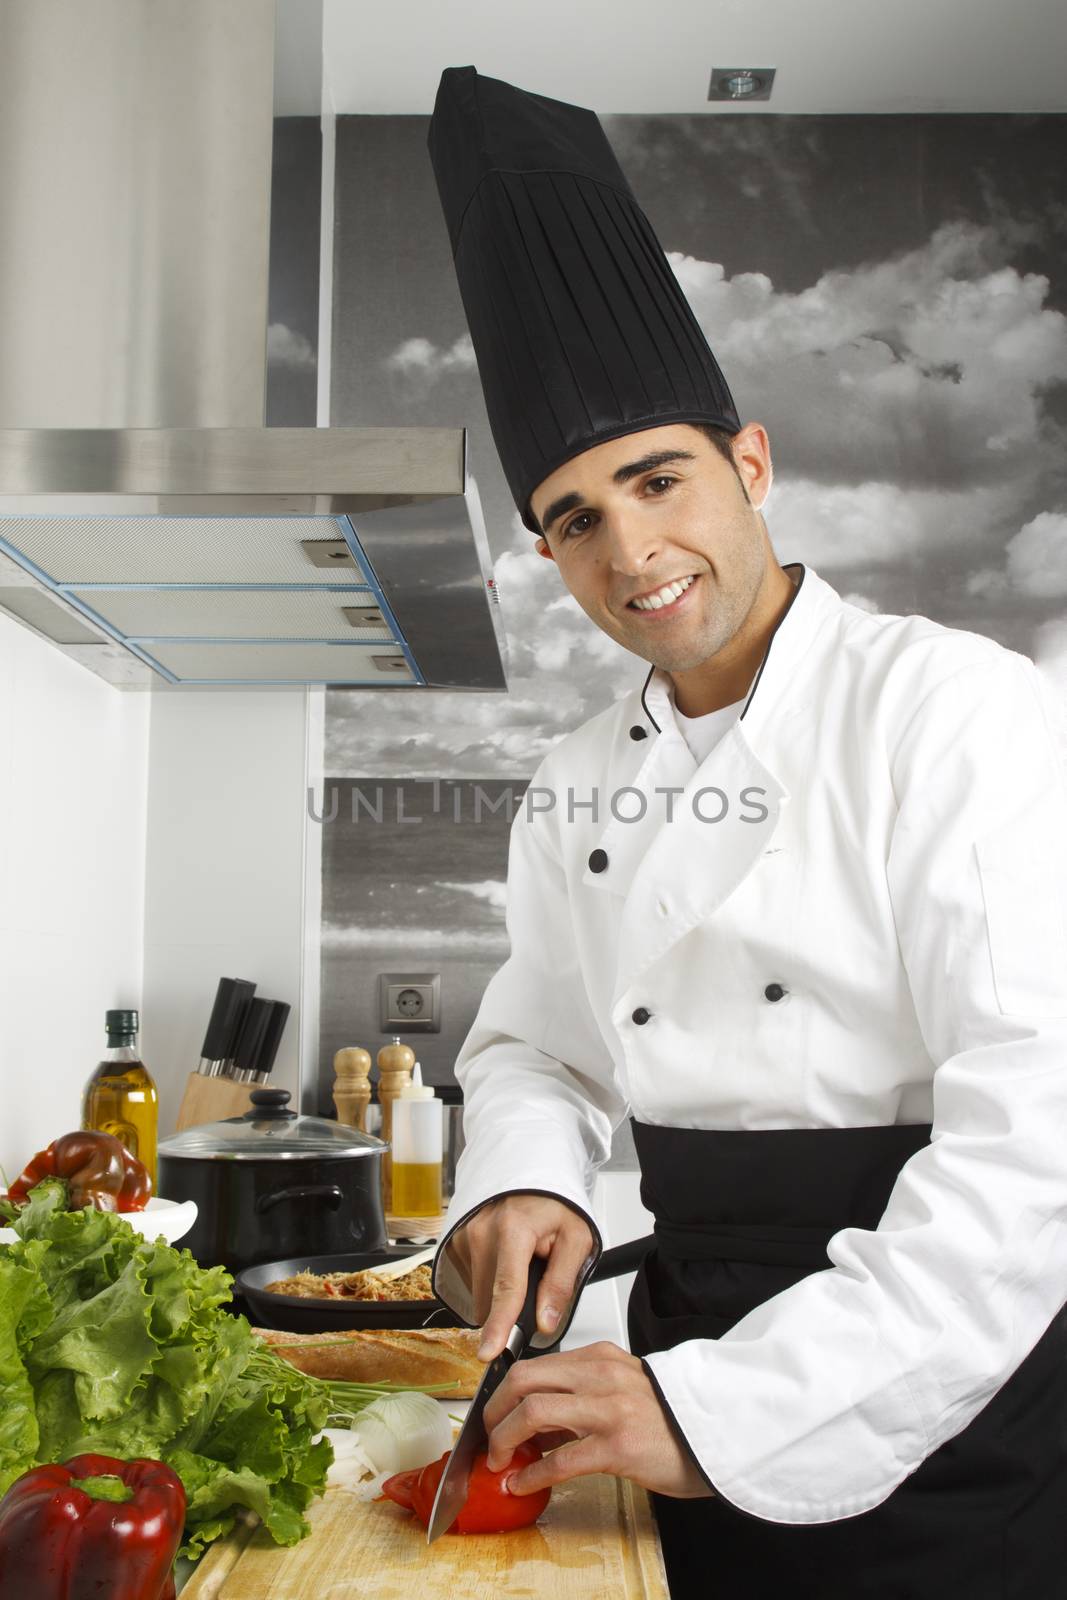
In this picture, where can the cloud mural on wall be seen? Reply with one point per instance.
(946, 344)
(1035, 560)
(911, 389)
(290, 349)
(423, 359)
(884, 294)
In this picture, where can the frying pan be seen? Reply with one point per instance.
(292, 1314)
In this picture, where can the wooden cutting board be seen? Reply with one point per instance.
(595, 1539)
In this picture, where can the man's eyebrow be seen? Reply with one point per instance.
(623, 474)
(559, 508)
(657, 458)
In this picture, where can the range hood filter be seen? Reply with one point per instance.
(191, 612)
(219, 600)
(351, 557)
(71, 551)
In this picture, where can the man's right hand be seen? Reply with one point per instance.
(493, 1252)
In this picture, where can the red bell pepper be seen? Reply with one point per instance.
(97, 1168)
(91, 1528)
(489, 1506)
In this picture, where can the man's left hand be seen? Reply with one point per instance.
(592, 1410)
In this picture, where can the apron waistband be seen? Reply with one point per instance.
(792, 1247)
(768, 1186)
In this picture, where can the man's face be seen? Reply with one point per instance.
(623, 521)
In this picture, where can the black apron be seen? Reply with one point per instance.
(741, 1216)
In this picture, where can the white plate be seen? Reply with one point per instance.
(170, 1218)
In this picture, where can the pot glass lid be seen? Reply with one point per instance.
(270, 1131)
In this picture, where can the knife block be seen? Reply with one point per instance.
(211, 1099)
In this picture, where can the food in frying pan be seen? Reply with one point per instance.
(365, 1285)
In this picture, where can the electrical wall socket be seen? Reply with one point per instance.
(409, 1002)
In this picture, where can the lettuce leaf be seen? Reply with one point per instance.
(24, 1311)
(115, 1344)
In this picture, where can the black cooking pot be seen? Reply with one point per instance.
(275, 1184)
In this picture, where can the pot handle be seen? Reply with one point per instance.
(307, 1191)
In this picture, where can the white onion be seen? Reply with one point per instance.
(350, 1465)
(401, 1431)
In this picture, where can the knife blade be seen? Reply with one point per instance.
(452, 1490)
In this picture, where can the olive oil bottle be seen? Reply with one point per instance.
(120, 1097)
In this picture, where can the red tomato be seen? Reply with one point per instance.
(401, 1486)
(489, 1508)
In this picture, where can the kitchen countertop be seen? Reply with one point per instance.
(601, 1311)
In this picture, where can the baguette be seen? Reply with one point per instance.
(419, 1356)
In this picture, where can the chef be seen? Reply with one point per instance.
(796, 906)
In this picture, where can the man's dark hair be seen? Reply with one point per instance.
(720, 437)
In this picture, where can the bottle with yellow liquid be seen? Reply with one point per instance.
(418, 1149)
(120, 1097)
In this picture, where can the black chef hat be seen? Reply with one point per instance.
(580, 328)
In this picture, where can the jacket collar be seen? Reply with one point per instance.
(703, 861)
(793, 636)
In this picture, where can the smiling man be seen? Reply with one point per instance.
(796, 907)
(658, 537)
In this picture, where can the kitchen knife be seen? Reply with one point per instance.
(452, 1490)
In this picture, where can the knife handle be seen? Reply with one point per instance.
(526, 1321)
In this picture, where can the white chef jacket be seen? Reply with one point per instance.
(703, 733)
(892, 855)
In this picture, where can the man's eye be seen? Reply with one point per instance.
(572, 526)
(661, 478)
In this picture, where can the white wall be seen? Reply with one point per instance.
(73, 785)
(229, 854)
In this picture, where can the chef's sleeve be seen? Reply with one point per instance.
(540, 1096)
(820, 1402)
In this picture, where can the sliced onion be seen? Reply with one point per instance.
(402, 1431)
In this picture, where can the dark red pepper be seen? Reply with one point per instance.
(97, 1168)
(490, 1507)
(93, 1528)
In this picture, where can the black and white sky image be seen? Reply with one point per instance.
(885, 294)
(413, 881)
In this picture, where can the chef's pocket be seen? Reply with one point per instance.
(672, 1301)
(652, 1319)
(1024, 877)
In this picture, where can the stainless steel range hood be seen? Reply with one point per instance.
(149, 524)
(348, 556)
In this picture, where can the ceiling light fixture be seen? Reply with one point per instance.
(741, 83)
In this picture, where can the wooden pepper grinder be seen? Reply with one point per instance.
(351, 1088)
(395, 1063)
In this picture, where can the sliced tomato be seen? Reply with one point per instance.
(489, 1508)
(400, 1487)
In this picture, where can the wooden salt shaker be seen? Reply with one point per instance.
(395, 1063)
(351, 1089)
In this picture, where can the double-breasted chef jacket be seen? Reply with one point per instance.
(872, 933)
